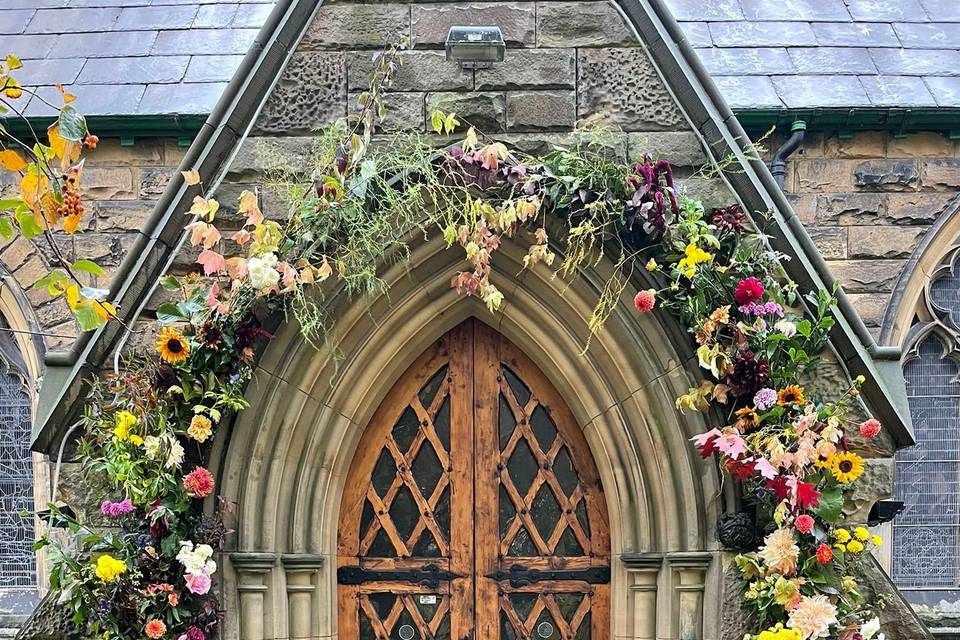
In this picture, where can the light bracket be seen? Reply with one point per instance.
(475, 47)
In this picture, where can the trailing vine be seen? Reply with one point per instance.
(358, 201)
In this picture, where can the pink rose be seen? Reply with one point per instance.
(197, 583)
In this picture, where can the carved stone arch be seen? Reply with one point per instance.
(286, 458)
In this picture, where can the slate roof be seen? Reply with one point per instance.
(175, 56)
(130, 57)
(774, 54)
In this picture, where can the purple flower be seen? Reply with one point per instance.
(765, 398)
(764, 309)
(116, 509)
(193, 633)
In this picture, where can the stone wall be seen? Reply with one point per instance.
(868, 200)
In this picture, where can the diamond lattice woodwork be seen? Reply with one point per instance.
(473, 508)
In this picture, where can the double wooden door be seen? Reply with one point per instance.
(473, 508)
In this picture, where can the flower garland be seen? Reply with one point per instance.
(150, 427)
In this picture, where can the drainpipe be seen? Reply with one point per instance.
(778, 166)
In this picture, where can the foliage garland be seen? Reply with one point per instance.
(358, 203)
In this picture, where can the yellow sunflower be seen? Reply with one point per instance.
(791, 394)
(172, 346)
(747, 419)
(846, 466)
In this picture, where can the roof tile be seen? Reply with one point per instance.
(15, 21)
(855, 34)
(94, 45)
(252, 15)
(802, 10)
(146, 18)
(746, 61)
(917, 62)
(92, 100)
(192, 98)
(699, 10)
(946, 90)
(832, 60)
(212, 16)
(932, 35)
(155, 69)
(697, 34)
(212, 68)
(29, 47)
(942, 9)
(748, 91)
(73, 20)
(887, 10)
(204, 41)
(897, 91)
(762, 34)
(811, 91)
(38, 73)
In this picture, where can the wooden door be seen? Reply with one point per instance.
(473, 508)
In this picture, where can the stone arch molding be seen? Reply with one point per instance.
(287, 456)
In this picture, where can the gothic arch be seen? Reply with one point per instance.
(286, 457)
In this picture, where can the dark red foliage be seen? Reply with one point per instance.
(749, 374)
(653, 191)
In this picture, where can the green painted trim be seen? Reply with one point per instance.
(898, 120)
(163, 126)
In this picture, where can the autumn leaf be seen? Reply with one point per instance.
(203, 208)
(236, 268)
(32, 187)
(324, 271)
(211, 261)
(203, 233)
(241, 237)
(67, 96)
(11, 160)
(71, 224)
(13, 62)
(11, 88)
(191, 177)
(50, 206)
(67, 150)
(250, 208)
(212, 296)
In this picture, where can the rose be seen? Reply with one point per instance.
(197, 583)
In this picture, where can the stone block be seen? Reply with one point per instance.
(805, 206)
(154, 180)
(30, 271)
(311, 93)
(679, 148)
(866, 276)
(621, 86)
(531, 68)
(358, 26)
(941, 174)
(541, 110)
(420, 71)
(917, 208)
(484, 110)
(17, 253)
(109, 152)
(582, 24)
(864, 144)
(403, 111)
(923, 144)
(122, 215)
(851, 208)
(887, 175)
(540, 143)
(430, 23)
(258, 155)
(823, 174)
(53, 312)
(106, 249)
(712, 192)
(884, 241)
(104, 183)
(831, 241)
(870, 306)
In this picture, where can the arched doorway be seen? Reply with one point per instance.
(473, 506)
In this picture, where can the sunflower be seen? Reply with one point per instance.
(747, 419)
(846, 467)
(792, 394)
(172, 346)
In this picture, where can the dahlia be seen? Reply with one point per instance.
(813, 617)
(200, 428)
(870, 428)
(155, 629)
(804, 523)
(748, 290)
(198, 483)
(749, 374)
(730, 218)
(824, 554)
(780, 551)
(645, 300)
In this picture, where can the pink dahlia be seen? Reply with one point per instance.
(198, 483)
(804, 523)
(197, 583)
(748, 290)
(870, 428)
(645, 300)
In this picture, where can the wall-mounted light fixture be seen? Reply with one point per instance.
(475, 47)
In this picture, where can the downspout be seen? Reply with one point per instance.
(778, 166)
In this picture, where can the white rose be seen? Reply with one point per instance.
(261, 272)
(870, 628)
(786, 327)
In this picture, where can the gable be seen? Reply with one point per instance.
(571, 61)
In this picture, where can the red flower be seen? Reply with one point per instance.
(779, 487)
(198, 483)
(824, 554)
(870, 428)
(807, 496)
(741, 470)
(155, 629)
(645, 300)
(804, 523)
(748, 290)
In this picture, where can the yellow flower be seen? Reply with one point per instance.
(692, 256)
(123, 421)
(109, 568)
(791, 394)
(842, 536)
(876, 540)
(200, 428)
(855, 546)
(840, 547)
(779, 633)
(848, 583)
(861, 533)
(846, 467)
(651, 265)
(135, 440)
(172, 346)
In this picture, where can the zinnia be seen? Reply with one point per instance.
(824, 554)
(813, 617)
(748, 290)
(200, 428)
(197, 583)
(198, 483)
(155, 629)
(645, 300)
(116, 509)
(780, 552)
(804, 523)
(870, 428)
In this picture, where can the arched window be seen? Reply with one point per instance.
(926, 535)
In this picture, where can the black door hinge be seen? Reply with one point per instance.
(520, 576)
(429, 576)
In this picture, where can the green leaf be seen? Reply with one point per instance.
(87, 317)
(28, 223)
(168, 546)
(436, 121)
(170, 283)
(831, 505)
(804, 328)
(73, 126)
(169, 313)
(6, 204)
(89, 266)
(6, 228)
(54, 282)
